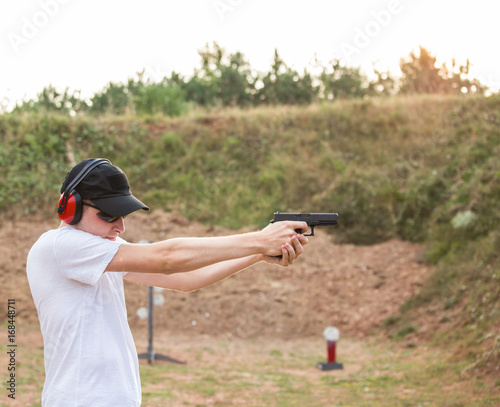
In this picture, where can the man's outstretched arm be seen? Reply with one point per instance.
(205, 276)
(187, 254)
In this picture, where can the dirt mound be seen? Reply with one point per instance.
(351, 287)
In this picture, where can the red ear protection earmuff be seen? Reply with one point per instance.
(70, 207)
(73, 208)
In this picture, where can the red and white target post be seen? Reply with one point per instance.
(331, 334)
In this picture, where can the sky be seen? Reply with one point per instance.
(85, 44)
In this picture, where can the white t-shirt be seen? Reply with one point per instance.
(90, 356)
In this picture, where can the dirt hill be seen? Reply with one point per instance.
(351, 287)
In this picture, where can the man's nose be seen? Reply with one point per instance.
(119, 225)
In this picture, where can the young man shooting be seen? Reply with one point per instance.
(76, 277)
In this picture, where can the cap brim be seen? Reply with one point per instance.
(119, 205)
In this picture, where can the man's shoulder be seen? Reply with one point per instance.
(52, 235)
(67, 238)
(79, 255)
(45, 238)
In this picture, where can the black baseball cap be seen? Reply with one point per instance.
(106, 186)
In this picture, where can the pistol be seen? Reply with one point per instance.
(312, 219)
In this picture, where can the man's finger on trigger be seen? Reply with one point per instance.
(302, 226)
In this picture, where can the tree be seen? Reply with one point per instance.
(224, 79)
(384, 85)
(236, 83)
(50, 99)
(343, 82)
(160, 97)
(283, 85)
(115, 98)
(421, 75)
(458, 79)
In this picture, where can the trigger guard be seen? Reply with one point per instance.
(309, 234)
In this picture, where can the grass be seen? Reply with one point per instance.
(375, 374)
(29, 373)
(271, 372)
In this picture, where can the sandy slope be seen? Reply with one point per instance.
(354, 288)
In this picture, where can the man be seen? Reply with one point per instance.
(76, 277)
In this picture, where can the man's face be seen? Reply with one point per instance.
(91, 223)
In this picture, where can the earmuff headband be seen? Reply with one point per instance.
(79, 178)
